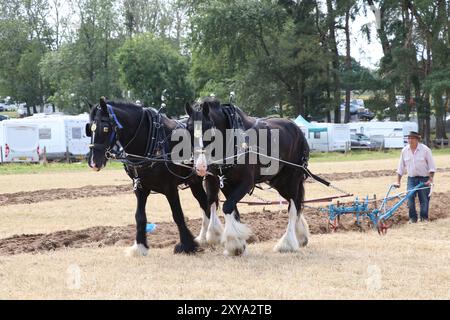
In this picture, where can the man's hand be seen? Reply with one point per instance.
(429, 182)
(396, 185)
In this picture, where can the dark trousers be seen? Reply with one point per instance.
(423, 198)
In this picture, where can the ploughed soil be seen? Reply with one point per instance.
(265, 225)
(99, 191)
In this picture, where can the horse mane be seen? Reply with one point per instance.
(213, 102)
(125, 105)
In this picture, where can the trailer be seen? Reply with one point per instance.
(62, 136)
(338, 135)
(76, 140)
(394, 132)
(19, 142)
(325, 137)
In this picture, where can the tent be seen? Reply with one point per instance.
(312, 127)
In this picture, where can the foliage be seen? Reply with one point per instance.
(153, 67)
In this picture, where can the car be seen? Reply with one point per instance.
(377, 142)
(3, 117)
(366, 115)
(360, 141)
(353, 108)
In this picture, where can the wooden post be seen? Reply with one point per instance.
(1, 154)
(67, 154)
(44, 156)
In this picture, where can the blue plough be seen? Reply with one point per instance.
(378, 216)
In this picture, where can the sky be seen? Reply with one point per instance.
(368, 54)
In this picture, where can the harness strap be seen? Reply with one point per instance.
(113, 115)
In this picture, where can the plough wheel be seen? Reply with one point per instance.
(382, 227)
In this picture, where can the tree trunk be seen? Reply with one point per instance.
(328, 96)
(335, 62)
(392, 100)
(301, 99)
(348, 65)
(440, 116)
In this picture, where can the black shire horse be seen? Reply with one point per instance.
(240, 178)
(144, 132)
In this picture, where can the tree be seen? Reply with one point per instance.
(85, 68)
(150, 66)
(272, 48)
(25, 37)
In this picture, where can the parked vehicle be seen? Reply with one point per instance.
(394, 132)
(325, 136)
(62, 136)
(354, 108)
(366, 115)
(19, 142)
(359, 140)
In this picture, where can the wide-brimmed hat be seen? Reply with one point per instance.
(413, 134)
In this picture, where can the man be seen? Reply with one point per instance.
(417, 160)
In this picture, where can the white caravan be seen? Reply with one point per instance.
(62, 136)
(393, 132)
(325, 137)
(76, 139)
(19, 142)
(338, 136)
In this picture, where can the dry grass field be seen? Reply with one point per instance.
(411, 262)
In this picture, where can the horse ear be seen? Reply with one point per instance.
(87, 102)
(205, 109)
(188, 109)
(103, 104)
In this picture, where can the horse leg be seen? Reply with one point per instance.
(140, 247)
(235, 234)
(297, 231)
(215, 228)
(187, 243)
(302, 230)
(227, 192)
(289, 242)
(199, 193)
(301, 227)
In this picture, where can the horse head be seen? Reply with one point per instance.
(103, 128)
(200, 122)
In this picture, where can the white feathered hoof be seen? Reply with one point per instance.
(235, 248)
(200, 240)
(234, 236)
(303, 242)
(302, 231)
(136, 250)
(287, 243)
(213, 236)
